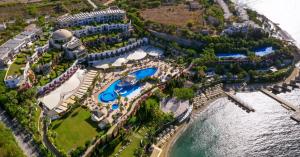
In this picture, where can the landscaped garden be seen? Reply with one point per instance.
(139, 130)
(73, 130)
(134, 140)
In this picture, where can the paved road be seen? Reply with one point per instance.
(224, 6)
(46, 141)
(108, 2)
(23, 139)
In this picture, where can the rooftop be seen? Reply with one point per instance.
(93, 14)
(61, 34)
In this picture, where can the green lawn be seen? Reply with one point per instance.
(135, 138)
(15, 69)
(74, 130)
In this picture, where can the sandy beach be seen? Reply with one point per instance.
(168, 145)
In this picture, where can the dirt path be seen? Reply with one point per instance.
(108, 2)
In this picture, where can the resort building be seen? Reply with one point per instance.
(2, 27)
(91, 30)
(86, 18)
(64, 40)
(15, 80)
(94, 59)
(13, 46)
(193, 5)
(240, 28)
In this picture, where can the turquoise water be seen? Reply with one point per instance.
(225, 130)
(112, 92)
(259, 52)
(115, 107)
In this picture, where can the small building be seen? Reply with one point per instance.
(97, 116)
(13, 46)
(13, 81)
(240, 28)
(2, 27)
(5, 55)
(16, 80)
(193, 5)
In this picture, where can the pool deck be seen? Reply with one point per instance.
(95, 95)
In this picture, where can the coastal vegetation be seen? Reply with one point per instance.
(190, 39)
(8, 145)
(140, 127)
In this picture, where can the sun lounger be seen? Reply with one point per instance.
(62, 108)
(58, 110)
(65, 104)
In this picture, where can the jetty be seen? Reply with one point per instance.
(283, 102)
(296, 116)
(240, 102)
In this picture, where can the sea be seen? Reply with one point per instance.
(226, 130)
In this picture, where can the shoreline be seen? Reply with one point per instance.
(169, 144)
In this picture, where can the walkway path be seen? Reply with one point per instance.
(47, 143)
(224, 6)
(93, 4)
(23, 139)
(92, 147)
(108, 2)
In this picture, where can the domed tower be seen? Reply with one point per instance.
(65, 40)
(60, 37)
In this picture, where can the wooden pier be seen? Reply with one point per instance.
(283, 102)
(240, 102)
(296, 116)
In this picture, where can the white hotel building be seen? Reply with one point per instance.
(91, 30)
(86, 18)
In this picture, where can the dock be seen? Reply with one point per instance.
(240, 102)
(283, 102)
(296, 116)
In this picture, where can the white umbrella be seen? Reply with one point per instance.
(119, 62)
(137, 55)
(102, 66)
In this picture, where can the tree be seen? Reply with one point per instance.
(190, 24)
(183, 93)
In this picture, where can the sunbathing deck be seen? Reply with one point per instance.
(64, 91)
(136, 55)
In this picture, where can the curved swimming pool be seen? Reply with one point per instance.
(112, 92)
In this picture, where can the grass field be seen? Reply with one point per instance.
(135, 138)
(31, 10)
(15, 69)
(74, 130)
(173, 15)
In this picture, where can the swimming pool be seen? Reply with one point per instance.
(112, 92)
(115, 106)
(258, 52)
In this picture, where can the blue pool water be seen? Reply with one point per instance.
(258, 52)
(231, 55)
(115, 106)
(112, 92)
(264, 51)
